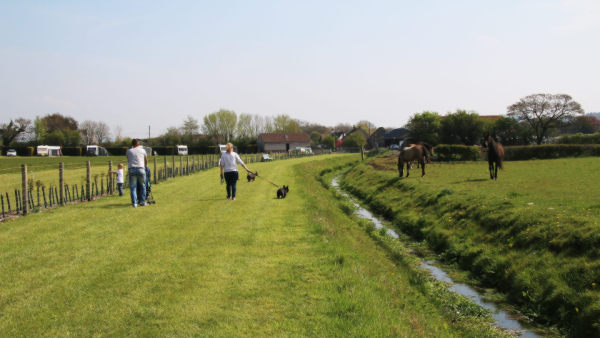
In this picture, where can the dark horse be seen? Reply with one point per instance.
(415, 152)
(495, 155)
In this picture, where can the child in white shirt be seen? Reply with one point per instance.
(120, 180)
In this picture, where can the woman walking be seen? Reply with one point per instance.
(228, 164)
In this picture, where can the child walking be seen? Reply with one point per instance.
(120, 180)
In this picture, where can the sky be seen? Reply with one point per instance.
(134, 64)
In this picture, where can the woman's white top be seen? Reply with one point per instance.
(120, 176)
(229, 161)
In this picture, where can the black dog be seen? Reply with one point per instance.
(252, 176)
(281, 192)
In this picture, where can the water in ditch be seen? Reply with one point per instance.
(501, 318)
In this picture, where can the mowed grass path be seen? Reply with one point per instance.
(198, 264)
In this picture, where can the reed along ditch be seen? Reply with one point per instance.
(501, 318)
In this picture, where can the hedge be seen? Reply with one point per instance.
(164, 150)
(71, 151)
(547, 151)
(21, 150)
(579, 138)
(117, 151)
(455, 152)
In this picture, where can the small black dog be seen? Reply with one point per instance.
(281, 192)
(252, 176)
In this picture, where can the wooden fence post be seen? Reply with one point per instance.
(110, 178)
(362, 153)
(181, 165)
(173, 171)
(88, 182)
(166, 169)
(25, 204)
(61, 182)
(187, 165)
(155, 180)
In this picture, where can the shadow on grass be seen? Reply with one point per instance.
(472, 180)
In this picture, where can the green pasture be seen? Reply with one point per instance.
(533, 234)
(196, 263)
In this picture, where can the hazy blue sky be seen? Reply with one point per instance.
(139, 63)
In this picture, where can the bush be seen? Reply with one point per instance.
(547, 151)
(71, 151)
(117, 151)
(455, 152)
(579, 138)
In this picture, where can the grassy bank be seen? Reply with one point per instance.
(533, 234)
(198, 264)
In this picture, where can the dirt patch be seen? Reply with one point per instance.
(388, 163)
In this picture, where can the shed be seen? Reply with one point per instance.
(282, 142)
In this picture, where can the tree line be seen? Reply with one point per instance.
(533, 119)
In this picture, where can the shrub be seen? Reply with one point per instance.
(455, 152)
(547, 151)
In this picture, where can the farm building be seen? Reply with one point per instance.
(376, 139)
(394, 136)
(282, 142)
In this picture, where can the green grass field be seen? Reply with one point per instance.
(198, 264)
(534, 234)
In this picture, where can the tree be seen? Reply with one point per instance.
(39, 128)
(343, 127)
(354, 140)
(328, 142)
(190, 126)
(511, 132)
(56, 137)
(220, 125)
(315, 138)
(245, 129)
(461, 127)
(366, 126)
(171, 137)
(285, 124)
(93, 132)
(425, 127)
(57, 121)
(13, 129)
(545, 112)
(582, 124)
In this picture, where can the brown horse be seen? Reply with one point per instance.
(415, 152)
(495, 156)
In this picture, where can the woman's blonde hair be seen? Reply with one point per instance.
(229, 147)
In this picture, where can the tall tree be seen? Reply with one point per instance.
(57, 121)
(367, 126)
(461, 127)
(545, 112)
(13, 129)
(511, 132)
(190, 126)
(220, 125)
(93, 132)
(425, 127)
(245, 128)
(285, 124)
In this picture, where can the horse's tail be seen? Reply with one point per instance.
(500, 154)
(428, 151)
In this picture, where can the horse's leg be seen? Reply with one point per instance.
(400, 168)
(491, 168)
(496, 171)
(407, 170)
(422, 167)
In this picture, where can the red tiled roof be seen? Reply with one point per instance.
(284, 137)
(489, 117)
